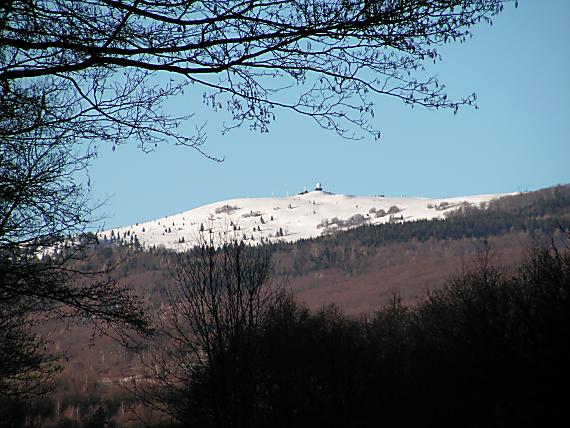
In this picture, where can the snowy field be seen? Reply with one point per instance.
(274, 219)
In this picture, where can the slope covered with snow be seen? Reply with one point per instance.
(274, 219)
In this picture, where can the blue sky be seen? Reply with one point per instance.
(519, 139)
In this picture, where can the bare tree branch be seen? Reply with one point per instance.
(335, 53)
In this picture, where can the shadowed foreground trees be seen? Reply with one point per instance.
(490, 349)
(44, 217)
(493, 344)
(204, 370)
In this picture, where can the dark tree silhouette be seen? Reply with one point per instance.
(44, 214)
(203, 371)
(102, 62)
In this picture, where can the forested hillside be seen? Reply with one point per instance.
(540, 213)
(359, 271)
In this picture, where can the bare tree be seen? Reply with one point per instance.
(25, 367)
(203, 370)
(44, 219)
(111, 64)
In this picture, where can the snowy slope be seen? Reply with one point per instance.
(290, 218)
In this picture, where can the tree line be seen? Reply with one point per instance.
(489, 349)
(540, 213)
(235, 349)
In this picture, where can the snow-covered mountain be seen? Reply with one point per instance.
(308, 214)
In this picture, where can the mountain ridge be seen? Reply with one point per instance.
(284, 219)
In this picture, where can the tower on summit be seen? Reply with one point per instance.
(318, 187)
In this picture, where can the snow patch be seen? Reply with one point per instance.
(259, 220)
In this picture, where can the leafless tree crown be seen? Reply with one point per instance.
(106, 60)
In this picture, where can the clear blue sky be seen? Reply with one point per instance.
(519, 139)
